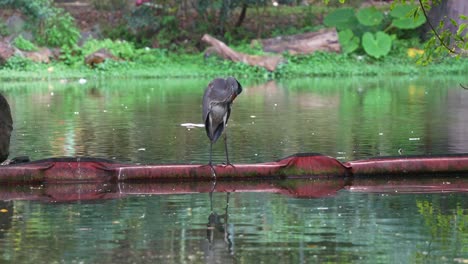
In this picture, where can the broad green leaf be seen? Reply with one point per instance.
(401, 11)
(454, 23)
(376, 45)
(461, 29)
(369, 16)
(340, 18)
(349, 42)
(407, 17)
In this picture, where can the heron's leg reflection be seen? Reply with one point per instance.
(212, 218)
(227, 235)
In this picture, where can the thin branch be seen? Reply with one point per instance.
(433, 29)
(463, 87)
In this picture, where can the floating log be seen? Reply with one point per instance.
(410, 165)
(83, 169)
(322, 40)
(298, 166)
(269, 62)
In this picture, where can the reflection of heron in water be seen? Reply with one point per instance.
(219, 224)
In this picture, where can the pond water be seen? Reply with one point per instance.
(140, 121)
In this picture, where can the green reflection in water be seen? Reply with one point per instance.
(348, 227)
(140, 120)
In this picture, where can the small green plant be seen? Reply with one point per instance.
(51, 26)
(59, 30)
(71, 55)
(349, 41)
(377, 45)
(370, 28)
(3, 29)
(24, 44)
(18, 63)
(118, 48)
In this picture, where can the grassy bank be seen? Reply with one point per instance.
(180, 52)
(193, 66)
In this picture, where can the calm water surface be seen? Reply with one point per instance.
(336, 221)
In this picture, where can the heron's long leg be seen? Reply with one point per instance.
(211, 150)
(213, 172)
(226, 149)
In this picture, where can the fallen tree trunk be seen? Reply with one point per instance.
(268, 62)
(323, 40)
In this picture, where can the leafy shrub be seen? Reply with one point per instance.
(18, 63)
(369, 28)
(24, 44)
(59, 30)
(52, 26)
(150, 56)
(3, 29)
(71, 55)
(118, 48)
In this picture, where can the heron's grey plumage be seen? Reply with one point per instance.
(217, 102)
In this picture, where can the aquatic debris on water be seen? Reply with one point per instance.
(191, 125)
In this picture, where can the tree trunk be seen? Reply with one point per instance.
(242, 15)
(444, 11)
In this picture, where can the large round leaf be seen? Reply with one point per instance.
(349, 42)
(407, 17)
(401, 10)
(340, 18)
(376, 45)
(369, 16)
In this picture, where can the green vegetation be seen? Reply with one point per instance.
(374, 41)
(51, 26)
(24, 44)
(443, 42)
(159, 63)
(371, 27)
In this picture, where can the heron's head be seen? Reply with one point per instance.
(234, 85)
